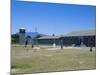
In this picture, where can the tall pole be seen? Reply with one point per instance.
(35, 29)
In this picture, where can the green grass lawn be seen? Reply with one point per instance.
(28, 60)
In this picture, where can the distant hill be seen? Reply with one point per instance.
(33, 34)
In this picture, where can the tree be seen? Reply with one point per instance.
(14, 38)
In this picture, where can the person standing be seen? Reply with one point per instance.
(90, 49)
(61, 43)
(26, 42)
(32, 43)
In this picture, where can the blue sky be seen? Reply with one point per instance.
(50, 18)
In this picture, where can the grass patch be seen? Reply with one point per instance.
(44, 60)
(21, 66)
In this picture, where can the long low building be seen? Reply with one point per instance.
(49, 40)
(79, 38)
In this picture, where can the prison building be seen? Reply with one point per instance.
(79, 38)
(49, 40)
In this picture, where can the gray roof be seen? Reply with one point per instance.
(82, 33)
(49, 37)
(76, 33)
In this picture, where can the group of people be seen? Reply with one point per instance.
(61, 45)
(26, 43)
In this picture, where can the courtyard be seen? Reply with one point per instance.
(43, 58)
